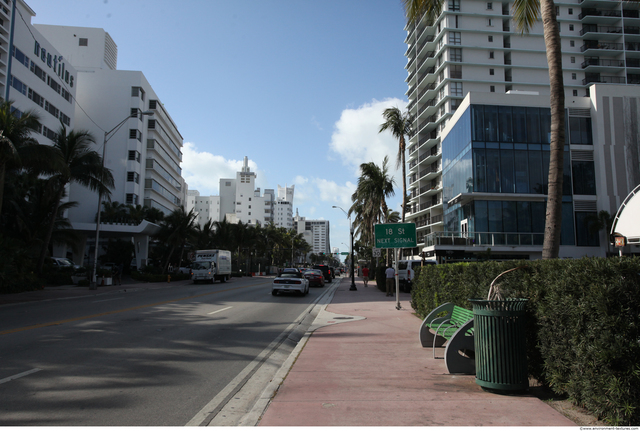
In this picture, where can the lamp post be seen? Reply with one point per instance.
(353, 279)
(107, 135)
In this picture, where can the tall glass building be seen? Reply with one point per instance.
(482, 167)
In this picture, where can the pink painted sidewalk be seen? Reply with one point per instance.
(374, 372)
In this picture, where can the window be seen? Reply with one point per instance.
(66, 120)
(51, 109)
(573, 59)
(38, 72)
(584, 177)
(584, 235)
(570, 27)
(491, 54)
(490, 38)
(455, 71)
(132, 199)
(489, 22)
(54, 84)
(134, 155)
(572, 43)
(575, 93)
(454, 38)
(456, 89)
(83, 41)
(19, 55)
(580, 130)
(137, 92)
(573, 76)
(557, 10)
(489, 5)
(135, 134)
(39, 100)
(151, 124)
(454, 5)
(456, 54)
(492, 88)
(570, 11)
(133, 177)
(18, 85)
(491, 71)
(134, 113)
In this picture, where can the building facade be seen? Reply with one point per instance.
(34, 74)
(473, 47)
(315, 232)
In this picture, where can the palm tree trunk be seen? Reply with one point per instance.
(47, 238)
(553, 224)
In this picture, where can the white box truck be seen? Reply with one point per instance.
(211, 265)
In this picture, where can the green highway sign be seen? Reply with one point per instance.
(395, 235)
(345, 253)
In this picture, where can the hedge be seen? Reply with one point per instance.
(583, 323)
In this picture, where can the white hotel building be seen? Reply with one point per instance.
(33, 73)
(143, 154)
(472, 49)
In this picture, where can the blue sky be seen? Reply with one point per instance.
(297, 86)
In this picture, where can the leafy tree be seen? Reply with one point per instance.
(399, 125)
(525, 15)
(17, 147)
(369, 199)
(175, 230)
(74, 161)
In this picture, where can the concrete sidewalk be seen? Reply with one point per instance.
(374, 372)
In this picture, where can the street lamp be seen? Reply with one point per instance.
(353, 279)
(107, 135)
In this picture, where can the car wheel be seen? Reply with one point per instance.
(274, 292)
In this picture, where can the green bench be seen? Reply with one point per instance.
(454, 328)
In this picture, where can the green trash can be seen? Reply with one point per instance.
(500, 344)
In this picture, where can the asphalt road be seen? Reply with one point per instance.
(153, 357)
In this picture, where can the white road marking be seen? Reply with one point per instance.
(112, 299)
(17, 376)
(214, 312)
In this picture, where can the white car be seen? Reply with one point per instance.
(290, 280)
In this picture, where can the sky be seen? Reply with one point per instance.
(297, 86)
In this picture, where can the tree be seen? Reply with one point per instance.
(74, 161)
(15, 140)
(525, 15)
(175, 230)
(400, 126)
(369, 199)
(601, 221)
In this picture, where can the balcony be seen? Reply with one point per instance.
(604, 80)
(592, 44)
(595, 61)
(600, 29)
(596, 12)
(483, 239)
(633, 79)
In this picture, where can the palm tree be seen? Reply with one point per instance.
(175, 230)
(525, 15)
(400, 125)
(15, 142)
(75, 161)
(369, 199)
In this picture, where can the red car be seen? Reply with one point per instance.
(315, 277)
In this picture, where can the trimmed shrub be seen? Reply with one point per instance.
(582, 323)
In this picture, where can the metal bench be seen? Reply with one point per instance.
(454, 328)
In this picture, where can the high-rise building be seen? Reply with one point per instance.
(35, 75)
(206, 207)
(144, 153)
(315, 232)
(473, 47)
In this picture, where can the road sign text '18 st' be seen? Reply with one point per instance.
(395, 235)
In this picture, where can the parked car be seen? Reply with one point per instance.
(407, 272)
(326, 270)
(315, 277)
(63, 262)
(290, 280)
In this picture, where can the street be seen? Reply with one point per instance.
(144, 357)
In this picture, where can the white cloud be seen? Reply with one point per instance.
(356, 140)
(202, 170)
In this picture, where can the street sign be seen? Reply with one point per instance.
(395, 235)
(345, 253)
(376, 252)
